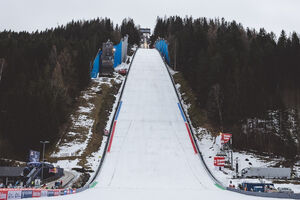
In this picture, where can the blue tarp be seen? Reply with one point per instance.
(162, 47)
(96, 65)
(118, 54)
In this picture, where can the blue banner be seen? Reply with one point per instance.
(96, 65)
(162, 47)
(26, 194)
(34, 156)
(50, 193)
(118, 54)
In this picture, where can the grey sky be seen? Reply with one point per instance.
(273, 15)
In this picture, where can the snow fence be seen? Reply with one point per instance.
(162, 46)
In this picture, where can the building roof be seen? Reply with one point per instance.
(11, 171)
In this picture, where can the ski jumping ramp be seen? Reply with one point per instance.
(151, 155)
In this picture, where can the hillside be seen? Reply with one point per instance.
(42, 76)
(242, 81)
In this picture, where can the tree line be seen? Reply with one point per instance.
(239, 76)
(42, 73)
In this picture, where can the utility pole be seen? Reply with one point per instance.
(44, 143)
(231, 153)
(236, 167)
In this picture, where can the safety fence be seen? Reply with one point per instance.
(96, 65)
(7, 193)
(162, 46)
(216, 181)
(120, 56)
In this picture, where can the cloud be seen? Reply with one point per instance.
(29, 15)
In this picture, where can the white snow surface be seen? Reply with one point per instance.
(151, 155)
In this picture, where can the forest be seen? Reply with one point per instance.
(41, 75)
(245, 81)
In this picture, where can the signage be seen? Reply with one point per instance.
(56, 192)
(26, 194)
(219, 161)
(14, 194)
(34, 156)
(36, 193)
(3, 194)
(37, 182)
(225, 137)
(53, 170)
(44, 193)
(50, 193)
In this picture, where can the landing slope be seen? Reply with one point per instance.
(151, 155)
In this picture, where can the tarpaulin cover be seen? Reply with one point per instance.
(162, 47)
(117, 59)
(118, 54)
(96, 65)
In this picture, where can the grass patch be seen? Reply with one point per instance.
(103, 107)
(197, 115)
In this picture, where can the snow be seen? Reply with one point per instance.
(95, 158)
(67, 164)
(76, 147)
(173, 72)
(295, 188)
(151, 155)
(122, 66)
(210, 148)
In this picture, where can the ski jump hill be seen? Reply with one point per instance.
(151, 155)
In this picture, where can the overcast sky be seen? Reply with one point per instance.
(30, 15)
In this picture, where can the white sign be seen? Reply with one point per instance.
(14, 194)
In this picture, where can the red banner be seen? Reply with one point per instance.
(53, 170)
(3, 194)
(56, 192)
(219, 161)
(225, 137)
(36, 193)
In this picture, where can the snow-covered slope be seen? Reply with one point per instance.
(151, 156)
